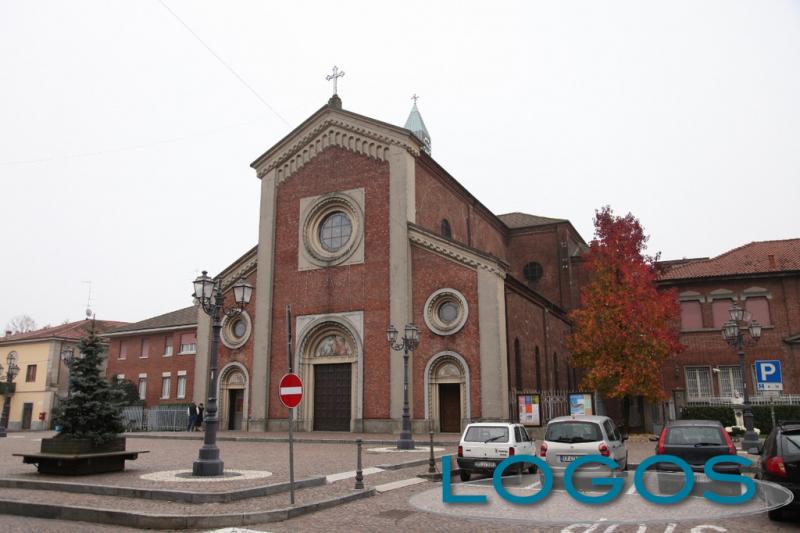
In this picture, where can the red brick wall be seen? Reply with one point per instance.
(336, 289)
(244, 354)
(431, 273)
(539, 245)
(533, 326)
(437, 198)
(153, 365)
(707, 348)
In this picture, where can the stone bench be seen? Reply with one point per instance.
(81, 463)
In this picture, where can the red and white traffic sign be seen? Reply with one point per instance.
(291, 390)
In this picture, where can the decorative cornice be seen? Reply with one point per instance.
(335, 130)
(455, 252)
(239, 272)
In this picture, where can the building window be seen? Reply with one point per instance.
(142, 387)
(166, 381)
(188, 343)
(331, 229)
(691, 316)
(730, 381)
(538, 369)
(168, 346)
(446, 231)
(721, 311)
(30, 373)
(517, 364)
(698, 382)
(335, 231)
(759, 309)
(123, 350)
(145, 348)
(446, 311)
(181, 387)
(532, 271)
(236, 330)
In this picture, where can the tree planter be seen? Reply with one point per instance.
(79, 457)
(66, 445)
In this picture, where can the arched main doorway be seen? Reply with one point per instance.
(447, 392)
(233, 396)
(329, 355)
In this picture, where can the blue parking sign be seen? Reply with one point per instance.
(768, 375)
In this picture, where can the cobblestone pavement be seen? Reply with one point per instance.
(387, 511)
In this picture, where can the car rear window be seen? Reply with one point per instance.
(486, 434)
(574, 432)
(694, 434)
(791, 442)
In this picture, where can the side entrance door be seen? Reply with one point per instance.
(449, 407)
(332, 397)
(27, 413)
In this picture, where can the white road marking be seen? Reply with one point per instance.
(344, 475)
(386, 487)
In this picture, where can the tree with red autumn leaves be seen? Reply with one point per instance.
(625, 328)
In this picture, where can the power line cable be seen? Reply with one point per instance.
(227, 66)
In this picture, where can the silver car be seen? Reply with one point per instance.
(570, 437)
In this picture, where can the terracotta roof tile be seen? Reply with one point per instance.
(760, 257)
(524, 220)
(69, 331)
(182, 317)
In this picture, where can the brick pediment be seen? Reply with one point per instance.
(333, 127)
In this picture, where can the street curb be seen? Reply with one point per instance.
(409, 464)
(284, 440)
(170, 521)
(161, 494)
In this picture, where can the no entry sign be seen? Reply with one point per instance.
(290, 390)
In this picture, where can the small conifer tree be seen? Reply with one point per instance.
(92, 409)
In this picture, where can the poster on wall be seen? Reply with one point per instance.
(529, 409)
(580, 404)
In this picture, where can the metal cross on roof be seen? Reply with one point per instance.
(415, 98)
(336, 74)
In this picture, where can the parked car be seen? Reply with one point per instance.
(485, 444)
(570, 437)
(694, 441)
(780, 462)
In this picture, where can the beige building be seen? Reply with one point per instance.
(43, 377)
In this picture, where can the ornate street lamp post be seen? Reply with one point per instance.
(733, 334)
(408, 343)
(209, 294)
(11, 372)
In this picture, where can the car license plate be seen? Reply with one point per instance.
(484, 464)
(567, 458)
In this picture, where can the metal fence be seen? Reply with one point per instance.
(160, 418)
(756, 399)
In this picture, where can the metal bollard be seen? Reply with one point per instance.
(431, 460)
(359, 474)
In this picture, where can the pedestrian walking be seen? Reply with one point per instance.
(192, 412)
(198, 424)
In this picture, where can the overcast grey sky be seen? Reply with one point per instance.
(125, 144)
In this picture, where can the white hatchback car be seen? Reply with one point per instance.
(570, 437)
(485, 444)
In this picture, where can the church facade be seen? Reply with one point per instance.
(360, 228)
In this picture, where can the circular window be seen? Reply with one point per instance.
(335, 231)
(332, 229)
(446, 311)
(533, 271)
(236, 330)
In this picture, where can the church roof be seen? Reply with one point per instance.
(524, 220)
(416, 125)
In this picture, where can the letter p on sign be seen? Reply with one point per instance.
(767, 369)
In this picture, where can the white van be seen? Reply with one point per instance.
(485, 444)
